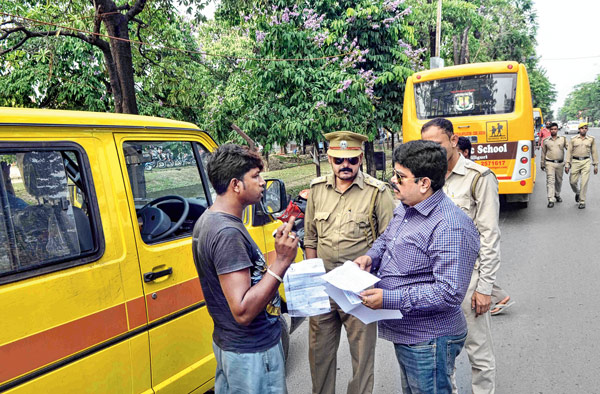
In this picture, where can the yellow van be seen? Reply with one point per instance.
(98, 288)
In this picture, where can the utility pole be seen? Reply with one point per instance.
(437, 61)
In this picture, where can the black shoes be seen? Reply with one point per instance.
(558, 199)
(581, 206)
(550, 204)
(576, 197)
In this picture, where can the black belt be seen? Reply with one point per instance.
(555, 161)
(580, 158)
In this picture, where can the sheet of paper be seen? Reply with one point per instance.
(305, 289)
(365, 314)
(350, 277)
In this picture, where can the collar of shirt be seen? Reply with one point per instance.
(424, 207)
(359, 180)
(459, 167)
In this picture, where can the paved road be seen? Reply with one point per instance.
(549, 342)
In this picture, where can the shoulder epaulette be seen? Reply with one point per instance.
(318, 180)
(477, 167)
(369, 180)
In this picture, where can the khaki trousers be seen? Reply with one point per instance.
(478, 345)
(580, 169)
(324, 339)
(554, 177)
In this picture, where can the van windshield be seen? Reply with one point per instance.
(466, 96)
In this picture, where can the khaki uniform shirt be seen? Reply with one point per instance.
(337, 224)
(582, 147)
(483, 206)
(554, 149)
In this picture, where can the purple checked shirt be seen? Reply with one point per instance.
(425, 259)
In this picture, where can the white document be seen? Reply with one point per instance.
(365, 314)
(343, 285)
(305, 289)
(350, 277)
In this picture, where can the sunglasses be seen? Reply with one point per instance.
(400, 178)
(340, 160)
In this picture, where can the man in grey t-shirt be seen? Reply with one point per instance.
(240, 290)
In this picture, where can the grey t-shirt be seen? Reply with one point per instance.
(221, 245)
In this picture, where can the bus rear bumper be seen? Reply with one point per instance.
(514, 189)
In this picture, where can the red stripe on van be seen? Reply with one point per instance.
(136, 312)
(174, 298)
(35, 351)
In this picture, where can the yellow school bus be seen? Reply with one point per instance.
(490, 103)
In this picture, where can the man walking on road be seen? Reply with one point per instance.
(580, 149)
(424, 259)
(474, 188)
(553, 163)
(240, 290)
(345, 212)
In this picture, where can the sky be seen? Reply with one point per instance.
(568, 43)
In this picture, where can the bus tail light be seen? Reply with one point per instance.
(524, 160)
(510, 66)
(522, 172)
(525, 148)
(523, 183)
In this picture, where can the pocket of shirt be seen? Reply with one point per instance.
(321, 223)
(357, 226)
(463, 203)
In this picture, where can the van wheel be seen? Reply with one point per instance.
(285, 337)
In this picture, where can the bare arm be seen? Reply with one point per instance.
(246, 301)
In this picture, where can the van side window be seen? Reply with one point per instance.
(44, 216)
(166, 180)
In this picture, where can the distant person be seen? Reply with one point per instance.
(544, 133)
(425, 259)
(474, 188)
(553, 163)
(581, 152)
(345, 212)
(500, 298)
(464, 146)
(239, 288)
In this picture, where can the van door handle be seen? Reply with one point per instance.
(150, 276)
(464, 127)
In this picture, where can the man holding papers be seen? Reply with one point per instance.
(424, 259)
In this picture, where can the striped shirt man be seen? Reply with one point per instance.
(425, 259)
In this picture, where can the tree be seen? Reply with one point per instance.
(106, 27)
(300, 100)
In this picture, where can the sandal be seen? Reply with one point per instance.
(502, 306)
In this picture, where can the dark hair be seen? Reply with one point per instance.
(442, 123)
(231, 161)
(464, 143)
(552, 125)
(423, 159)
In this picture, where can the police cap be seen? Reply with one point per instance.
(582, 124)
(345, 144)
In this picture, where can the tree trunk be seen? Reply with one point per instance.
(116, 25)
(369, 159)
(316, 157)
(245, 137)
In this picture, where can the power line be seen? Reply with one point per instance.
(571, 58)
(156, 47)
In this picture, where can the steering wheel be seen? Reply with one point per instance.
(156, 224)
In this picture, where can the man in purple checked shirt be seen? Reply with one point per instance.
(425, 259)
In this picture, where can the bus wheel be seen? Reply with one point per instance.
(285, 337)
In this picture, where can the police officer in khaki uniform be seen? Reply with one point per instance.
(474, 188)
(553, 162)
(581, 148)
(345, 212)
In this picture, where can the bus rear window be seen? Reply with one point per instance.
(466, 96)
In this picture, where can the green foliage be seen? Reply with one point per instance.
(583, 102)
